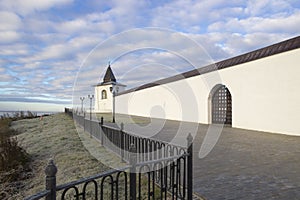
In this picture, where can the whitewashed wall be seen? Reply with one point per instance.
(106, 105)
(265, 96)
(103, 105)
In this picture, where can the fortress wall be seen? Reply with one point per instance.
(265, 95)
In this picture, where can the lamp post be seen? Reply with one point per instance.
(91, 102)
(113, 93)
(114, 90)
(82, 99)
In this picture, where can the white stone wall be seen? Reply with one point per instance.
(105, 105)
(266, 93)
(265, 96)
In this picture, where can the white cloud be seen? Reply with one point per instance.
(264, 7)
(25, 7)
(82, 42)
(272, 25)
(16, 49)
(9, 36)
(63, 50)
(9, 21)
(192, 16)
(86, 25)
(35, 25)
(236, 44)
(259, 24)
(119, 16)
(5, 80)
(72, 26)
(210, 42)
(47, 38)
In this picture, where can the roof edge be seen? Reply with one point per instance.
(109, 83)
(281, 47)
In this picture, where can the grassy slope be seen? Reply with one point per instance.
(56, 137)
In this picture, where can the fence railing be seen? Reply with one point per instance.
(156, 169)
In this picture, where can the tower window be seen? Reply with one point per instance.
(103, 94)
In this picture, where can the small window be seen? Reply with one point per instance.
(103, 94)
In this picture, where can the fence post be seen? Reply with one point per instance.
(91, 128)
(50, 172)
(101, 130)
(190, 167)
(132, 177)
(84, 121)
(122, 141)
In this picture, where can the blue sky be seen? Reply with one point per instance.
(45, 45)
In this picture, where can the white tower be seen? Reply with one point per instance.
(105, 91)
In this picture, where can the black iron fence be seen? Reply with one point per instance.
(156, 169)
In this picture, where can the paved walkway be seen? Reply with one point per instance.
(242, 165)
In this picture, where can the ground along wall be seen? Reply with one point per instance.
(265, 96)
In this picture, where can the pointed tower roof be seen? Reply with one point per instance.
(109, 76)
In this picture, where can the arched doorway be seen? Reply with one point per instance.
(221, 105)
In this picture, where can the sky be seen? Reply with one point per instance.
(53, 51)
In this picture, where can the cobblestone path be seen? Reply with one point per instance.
(243, 164)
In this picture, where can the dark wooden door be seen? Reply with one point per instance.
(222, 106)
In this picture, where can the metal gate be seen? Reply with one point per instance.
(222, 106)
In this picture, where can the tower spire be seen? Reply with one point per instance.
(109, 75)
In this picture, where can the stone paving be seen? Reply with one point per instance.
(243, 164)
(249, 165)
